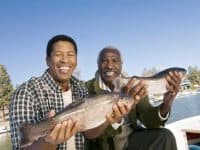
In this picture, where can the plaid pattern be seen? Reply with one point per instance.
(34, 99)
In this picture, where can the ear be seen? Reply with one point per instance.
(47, 61)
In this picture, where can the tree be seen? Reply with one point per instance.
(6, 89)
(77, 73)
(149, 72)
(194, 75)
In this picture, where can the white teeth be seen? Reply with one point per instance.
(110, 73)
(64, 69)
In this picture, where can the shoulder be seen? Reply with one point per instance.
(28, 87)
(78, 87)
(77, 83)
(90, 83)
(93, 87)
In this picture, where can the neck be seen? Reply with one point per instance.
(110, 85)
(65, 86)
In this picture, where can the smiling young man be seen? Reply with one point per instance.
(54, 90)
(126, 134)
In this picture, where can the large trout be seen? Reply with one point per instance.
(90, 112)
(156, 84)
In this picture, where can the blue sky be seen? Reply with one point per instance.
(149, 33)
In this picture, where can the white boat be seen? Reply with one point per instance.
(187, 133)
(3, 129)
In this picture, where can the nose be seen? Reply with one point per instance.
(109, 64)
(64, 58)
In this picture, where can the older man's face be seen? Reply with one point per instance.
(110, 65)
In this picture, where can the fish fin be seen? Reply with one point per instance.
(166, 71)
(72, 105)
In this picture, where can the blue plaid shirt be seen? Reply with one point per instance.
(35, 98)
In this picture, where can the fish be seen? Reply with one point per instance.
(90, 112)
(156, 84)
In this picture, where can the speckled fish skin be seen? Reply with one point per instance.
(156, 84)
(90, 113)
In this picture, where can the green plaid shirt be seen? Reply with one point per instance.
(34, 99)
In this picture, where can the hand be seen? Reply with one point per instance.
(136, 90)
(173, 86)
(62, 131)
(120, 109)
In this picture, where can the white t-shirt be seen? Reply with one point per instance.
(67, 97)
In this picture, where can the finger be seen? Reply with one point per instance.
(178, 75)
(129, 85)
(142, 93)
(123, 108)
(50, 114)
(109, 118)
(116, 111)
(172, 83)
(61, 134)
(175, 77)
(69, 127)
(76, 128)
(51, 138)
(170, 78)
(169, 87)
(136, 90)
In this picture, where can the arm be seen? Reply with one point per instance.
(22, 110)
(148, 114)
(96, 132)
(61, 132)
(173, 86)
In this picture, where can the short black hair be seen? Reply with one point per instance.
(57, 38)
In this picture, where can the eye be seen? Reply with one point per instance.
(104, 61)
(71, 53)
(115, 60)
(58, 54)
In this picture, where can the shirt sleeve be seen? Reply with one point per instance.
(21, 110)
(117, 125)
(163, 118)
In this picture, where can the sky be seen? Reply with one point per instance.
(149, 33)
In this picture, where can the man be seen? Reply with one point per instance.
(151, 138)
(55, 89)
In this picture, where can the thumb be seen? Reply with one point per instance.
(51, 114)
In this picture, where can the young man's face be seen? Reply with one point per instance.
(62, 61)
(110, 65)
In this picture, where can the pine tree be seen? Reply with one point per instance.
(6, 89)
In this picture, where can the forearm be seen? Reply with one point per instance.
(96, 132)
(165, 109)
(41, 144)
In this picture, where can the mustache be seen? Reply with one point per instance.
(109, 70)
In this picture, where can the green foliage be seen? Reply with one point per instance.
(6, 87)
(194, 75)
(149, 72)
